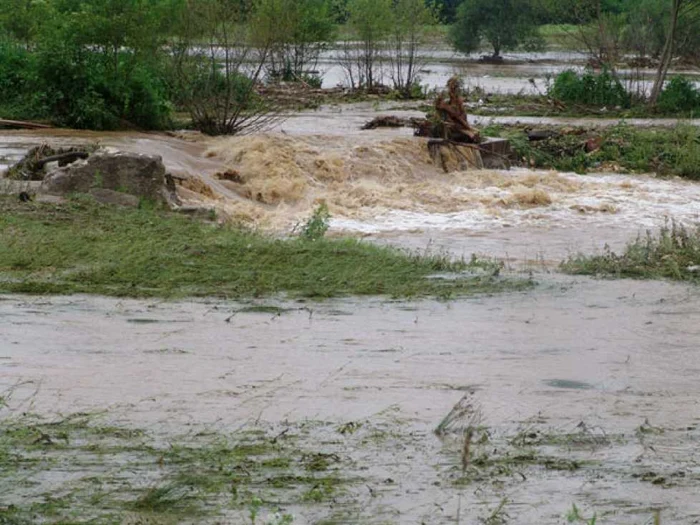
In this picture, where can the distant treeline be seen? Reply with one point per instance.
(106, 64)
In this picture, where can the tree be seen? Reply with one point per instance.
(217, 68)
(371, 21)
(679, 9)
(445, 9)
(504, 24)
(412, 23)
(297, 32)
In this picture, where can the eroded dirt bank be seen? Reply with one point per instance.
(581, 392)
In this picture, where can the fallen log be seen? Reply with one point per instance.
(63, 159)
(390, 121)
(541, 134)
(22, 124)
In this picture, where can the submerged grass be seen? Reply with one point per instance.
(75, 470)
(672, 253)
(83, 247)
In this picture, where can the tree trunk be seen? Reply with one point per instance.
(667, 54)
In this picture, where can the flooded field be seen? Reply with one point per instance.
(573, 399)
(513, 77)
(581, 392)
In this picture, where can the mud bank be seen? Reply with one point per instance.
(584, 391)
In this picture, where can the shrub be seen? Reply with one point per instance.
(317, 226)
(17, 82)
(588, 88)
(679, 95)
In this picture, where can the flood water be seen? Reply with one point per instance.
(572, 354)
(514, 76)
(611, 366)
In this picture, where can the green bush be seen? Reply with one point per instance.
(70, 86)
(590, 89)
(17, 82)
(680, 94)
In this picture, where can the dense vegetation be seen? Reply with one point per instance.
(672, 253)
(664, 151)
(107, 64)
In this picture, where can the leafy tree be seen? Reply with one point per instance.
(445, 9)
(680, 10)
(217, 66)
(20, 19)
(297, 31)
(371, 21)
(504, 24)
(411, 26)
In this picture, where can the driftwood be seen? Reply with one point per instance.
(541, 134)
(390, 121)
(453, 115)
(63, 159)
(22, 124)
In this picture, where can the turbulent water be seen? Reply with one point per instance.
(608, 370)
(386, 185)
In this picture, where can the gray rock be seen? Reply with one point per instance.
(115, 198)
(126, 173)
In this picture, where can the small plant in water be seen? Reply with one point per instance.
(277, 519)
(574, 516)
(317, 226)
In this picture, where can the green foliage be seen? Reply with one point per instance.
(371, 19)
(672, 253)
(680, 94)
(504, 24)
(87, 65)
(18, 81)
(588, 88)
(665, 152)
(317, 226)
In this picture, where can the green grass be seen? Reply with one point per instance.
(664, 151)
(82, 247)
(672, 253)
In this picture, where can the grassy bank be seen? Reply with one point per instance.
(81, 247)
(672, 253)
(664, 151)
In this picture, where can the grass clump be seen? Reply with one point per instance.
(680, 94)
(83, 247)
(673, 253)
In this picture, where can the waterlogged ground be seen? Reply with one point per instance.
(504, 409)
(580, 392)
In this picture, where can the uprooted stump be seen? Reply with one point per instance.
(449, 121)
(32, 165)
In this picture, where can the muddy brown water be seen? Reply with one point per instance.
(612, 363)
(610, 356)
